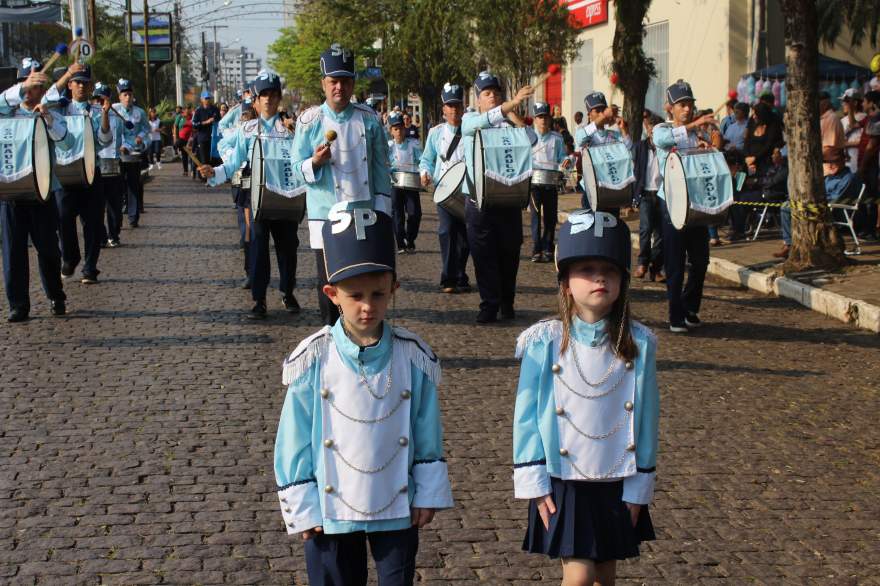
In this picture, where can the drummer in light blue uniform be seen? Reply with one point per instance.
(689, 245)
(547, 153)
(267, 87)
(494, 235)
(133, 141)
(111, 187)
(443, 148)
(359, 448)
(404, 154)
(229, 122)
(86, 201)
(599, 129)
(353, 168)
(20, 220)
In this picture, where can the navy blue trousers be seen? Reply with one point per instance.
(40, 222)
(454, 249)
(286, 240)
(689, 245)
(134, 190)
(87, 202)
(650, 224)
(544, 211)
(495, 238)
(113, 190)
(407, 208)
(341, 559)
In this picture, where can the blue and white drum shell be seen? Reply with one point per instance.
(108, 167)
(26, 170)
(502, 168)
(698, 187)
(608, 175)
(448, 194)
(274, 196)
(76, 167)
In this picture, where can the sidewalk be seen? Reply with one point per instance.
(852, 295)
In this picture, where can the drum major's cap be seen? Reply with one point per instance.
(337, 61)
(588, 234)
(395, 118)
(266, 81)
(542, 109)
(28, 64)
(124, 85)
(679, 91)
(485, 80)
(101, 89)
(357, 241)
(452, 94)
(84, 75)
(595, 100)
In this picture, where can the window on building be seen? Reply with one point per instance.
(581, 77)
(656, 47)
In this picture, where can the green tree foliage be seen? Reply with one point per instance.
(520, 38)
(862, 17)
(430, 47)
(634, 70)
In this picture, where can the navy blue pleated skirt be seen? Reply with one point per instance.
(591, 522)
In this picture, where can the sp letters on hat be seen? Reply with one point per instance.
(357, 241)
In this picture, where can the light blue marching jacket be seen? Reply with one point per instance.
(666, 137)
(360, 440)
(138, 117)
(433, 162)
(585, 415)
(236, 147)
(12, 106)
(549, 151)
(358, 169)
(404, 156)
(473, 121)
(75, 108)
(591, 135)
(228, 123)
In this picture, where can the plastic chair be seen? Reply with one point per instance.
(769, 199)
(849, 212)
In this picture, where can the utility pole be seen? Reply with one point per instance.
(204, 62)
(242, 68)
(178, 46)
(130, 36)
(214, 67)
(147, 52)
(93, 24)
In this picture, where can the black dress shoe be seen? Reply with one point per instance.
(67, 270)
(246, 284)
(487, 316)
(290, 303)
(258, 311)
(18, 315)
(59, 308)
(508, 313)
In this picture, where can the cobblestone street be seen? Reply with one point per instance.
(136, 434)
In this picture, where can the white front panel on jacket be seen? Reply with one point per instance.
(348, 158)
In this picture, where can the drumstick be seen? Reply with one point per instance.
(128, 123)
(330, 136)
(192, 156)
(60, 49)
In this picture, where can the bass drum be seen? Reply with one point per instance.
(448, 193)
(265, 203)
(76, 167)
(26, 175)
(698, 187)
(502, 160)
(608, 174)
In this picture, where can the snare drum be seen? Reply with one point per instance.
(26, 169)
(448, 193)
(132, 156)
(502, 168)
(608, 173)
(407, 180)
(109, 167)
(697, 186)
(273, 194)
(546, 177)
(76, 167)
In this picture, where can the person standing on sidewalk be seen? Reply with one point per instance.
(203, 121)
(155, 153)
(133, 142)
(690, 245)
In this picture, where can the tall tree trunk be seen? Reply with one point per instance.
(814, 242)
(633, 69)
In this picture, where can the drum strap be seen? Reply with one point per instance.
(453, 144)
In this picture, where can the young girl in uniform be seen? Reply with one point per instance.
(585, 422)
(359, 450)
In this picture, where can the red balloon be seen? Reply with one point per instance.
(732, 94)
(613, 78)
(553, 69)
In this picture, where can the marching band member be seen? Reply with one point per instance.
(359, 448)
(229, 122)
(18, 220)
(111, 186)
(443, 148)
(404, 153)
(584, 440)
(132, 142)
(87, 201)
(691, 243)
(548, 153)
(494, 235)
(603, 127)
(267, 88)
(353, 167)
